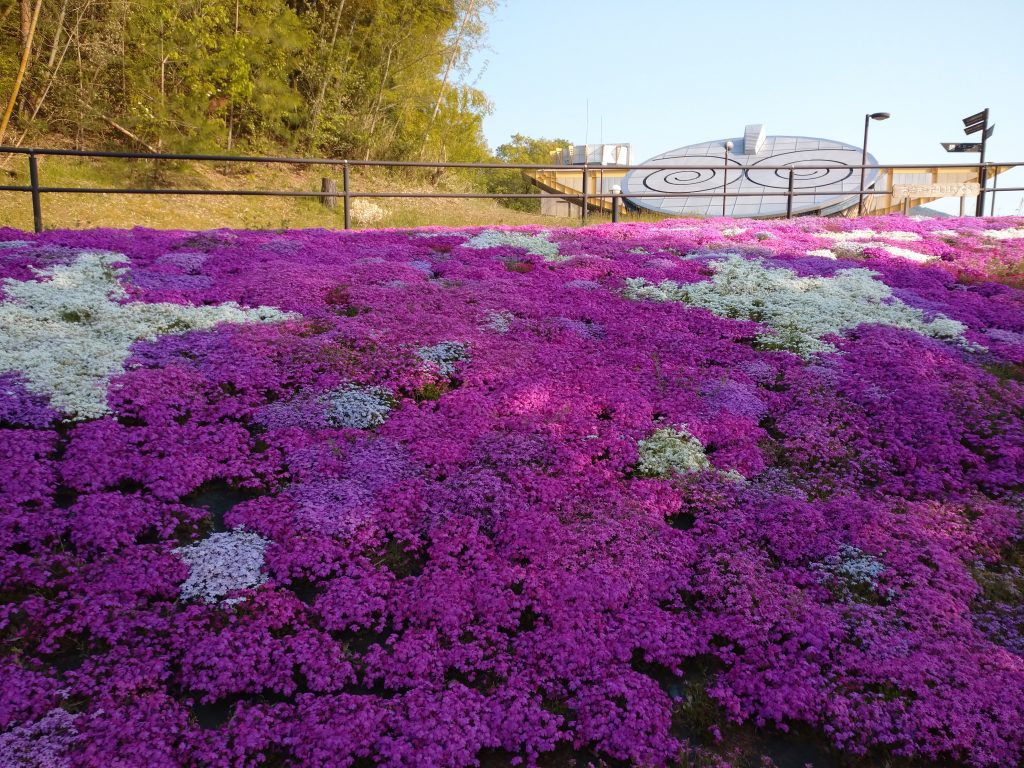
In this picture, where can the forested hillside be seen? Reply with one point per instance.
(353, 78)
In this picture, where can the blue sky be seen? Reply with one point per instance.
(661, 73)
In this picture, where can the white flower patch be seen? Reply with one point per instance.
(945, 233)
(850, 572)
(733, 231)
(902, 253)
(499, 322)
(538, 245)
(853, 250)
(868, 234)
(900, 236)
(853, 234)
(222, 563)
(367, 212)
(14, 243)
(1012, 233)
(439, 234)
(799, 310)
(671, 450)
(851, 245)
(357, 407)
(68, 334)
(444, 355)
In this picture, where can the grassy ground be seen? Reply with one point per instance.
(80, 211)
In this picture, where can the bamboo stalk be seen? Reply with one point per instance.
(21, 71)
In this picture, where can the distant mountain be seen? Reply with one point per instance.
(921, 210)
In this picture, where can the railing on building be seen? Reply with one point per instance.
(583, 197)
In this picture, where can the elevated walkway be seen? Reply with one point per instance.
(569, 181)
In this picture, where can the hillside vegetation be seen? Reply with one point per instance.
(353, 78)
(356, 79)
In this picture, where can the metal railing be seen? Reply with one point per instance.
(347, 194)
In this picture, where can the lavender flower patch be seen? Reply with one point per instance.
(223, 563)
(42, 744)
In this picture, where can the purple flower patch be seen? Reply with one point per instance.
(709, 492)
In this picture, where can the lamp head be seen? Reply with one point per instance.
(879, 115)
(728, 146)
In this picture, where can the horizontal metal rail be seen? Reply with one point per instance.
(582, 197)
(470, 195)
(428, 164)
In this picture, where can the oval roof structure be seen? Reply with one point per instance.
(826, 190)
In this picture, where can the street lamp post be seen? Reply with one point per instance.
(864, 156)
(725, 173)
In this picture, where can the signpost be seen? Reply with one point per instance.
(953, 147)
(972, 124)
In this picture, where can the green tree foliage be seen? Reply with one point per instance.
(352, 78)
(527, 151)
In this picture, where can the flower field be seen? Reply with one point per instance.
(701, 493)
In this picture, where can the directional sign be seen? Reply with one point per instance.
(989, 131)
(954, 147)
(974, 128)
(978, 116)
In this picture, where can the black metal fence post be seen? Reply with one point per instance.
(789, 196)
(982, 167)
(583, 215)
(37, 203)
(347, 196)
(979, 204)
(616, 195)
(995, 183)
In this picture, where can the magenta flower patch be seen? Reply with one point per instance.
(699, 493)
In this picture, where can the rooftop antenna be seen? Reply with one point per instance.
(586, 133)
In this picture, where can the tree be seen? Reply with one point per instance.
(208, 74)
(522, 150)
(351, 78)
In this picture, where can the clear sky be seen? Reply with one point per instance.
(660, 74)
